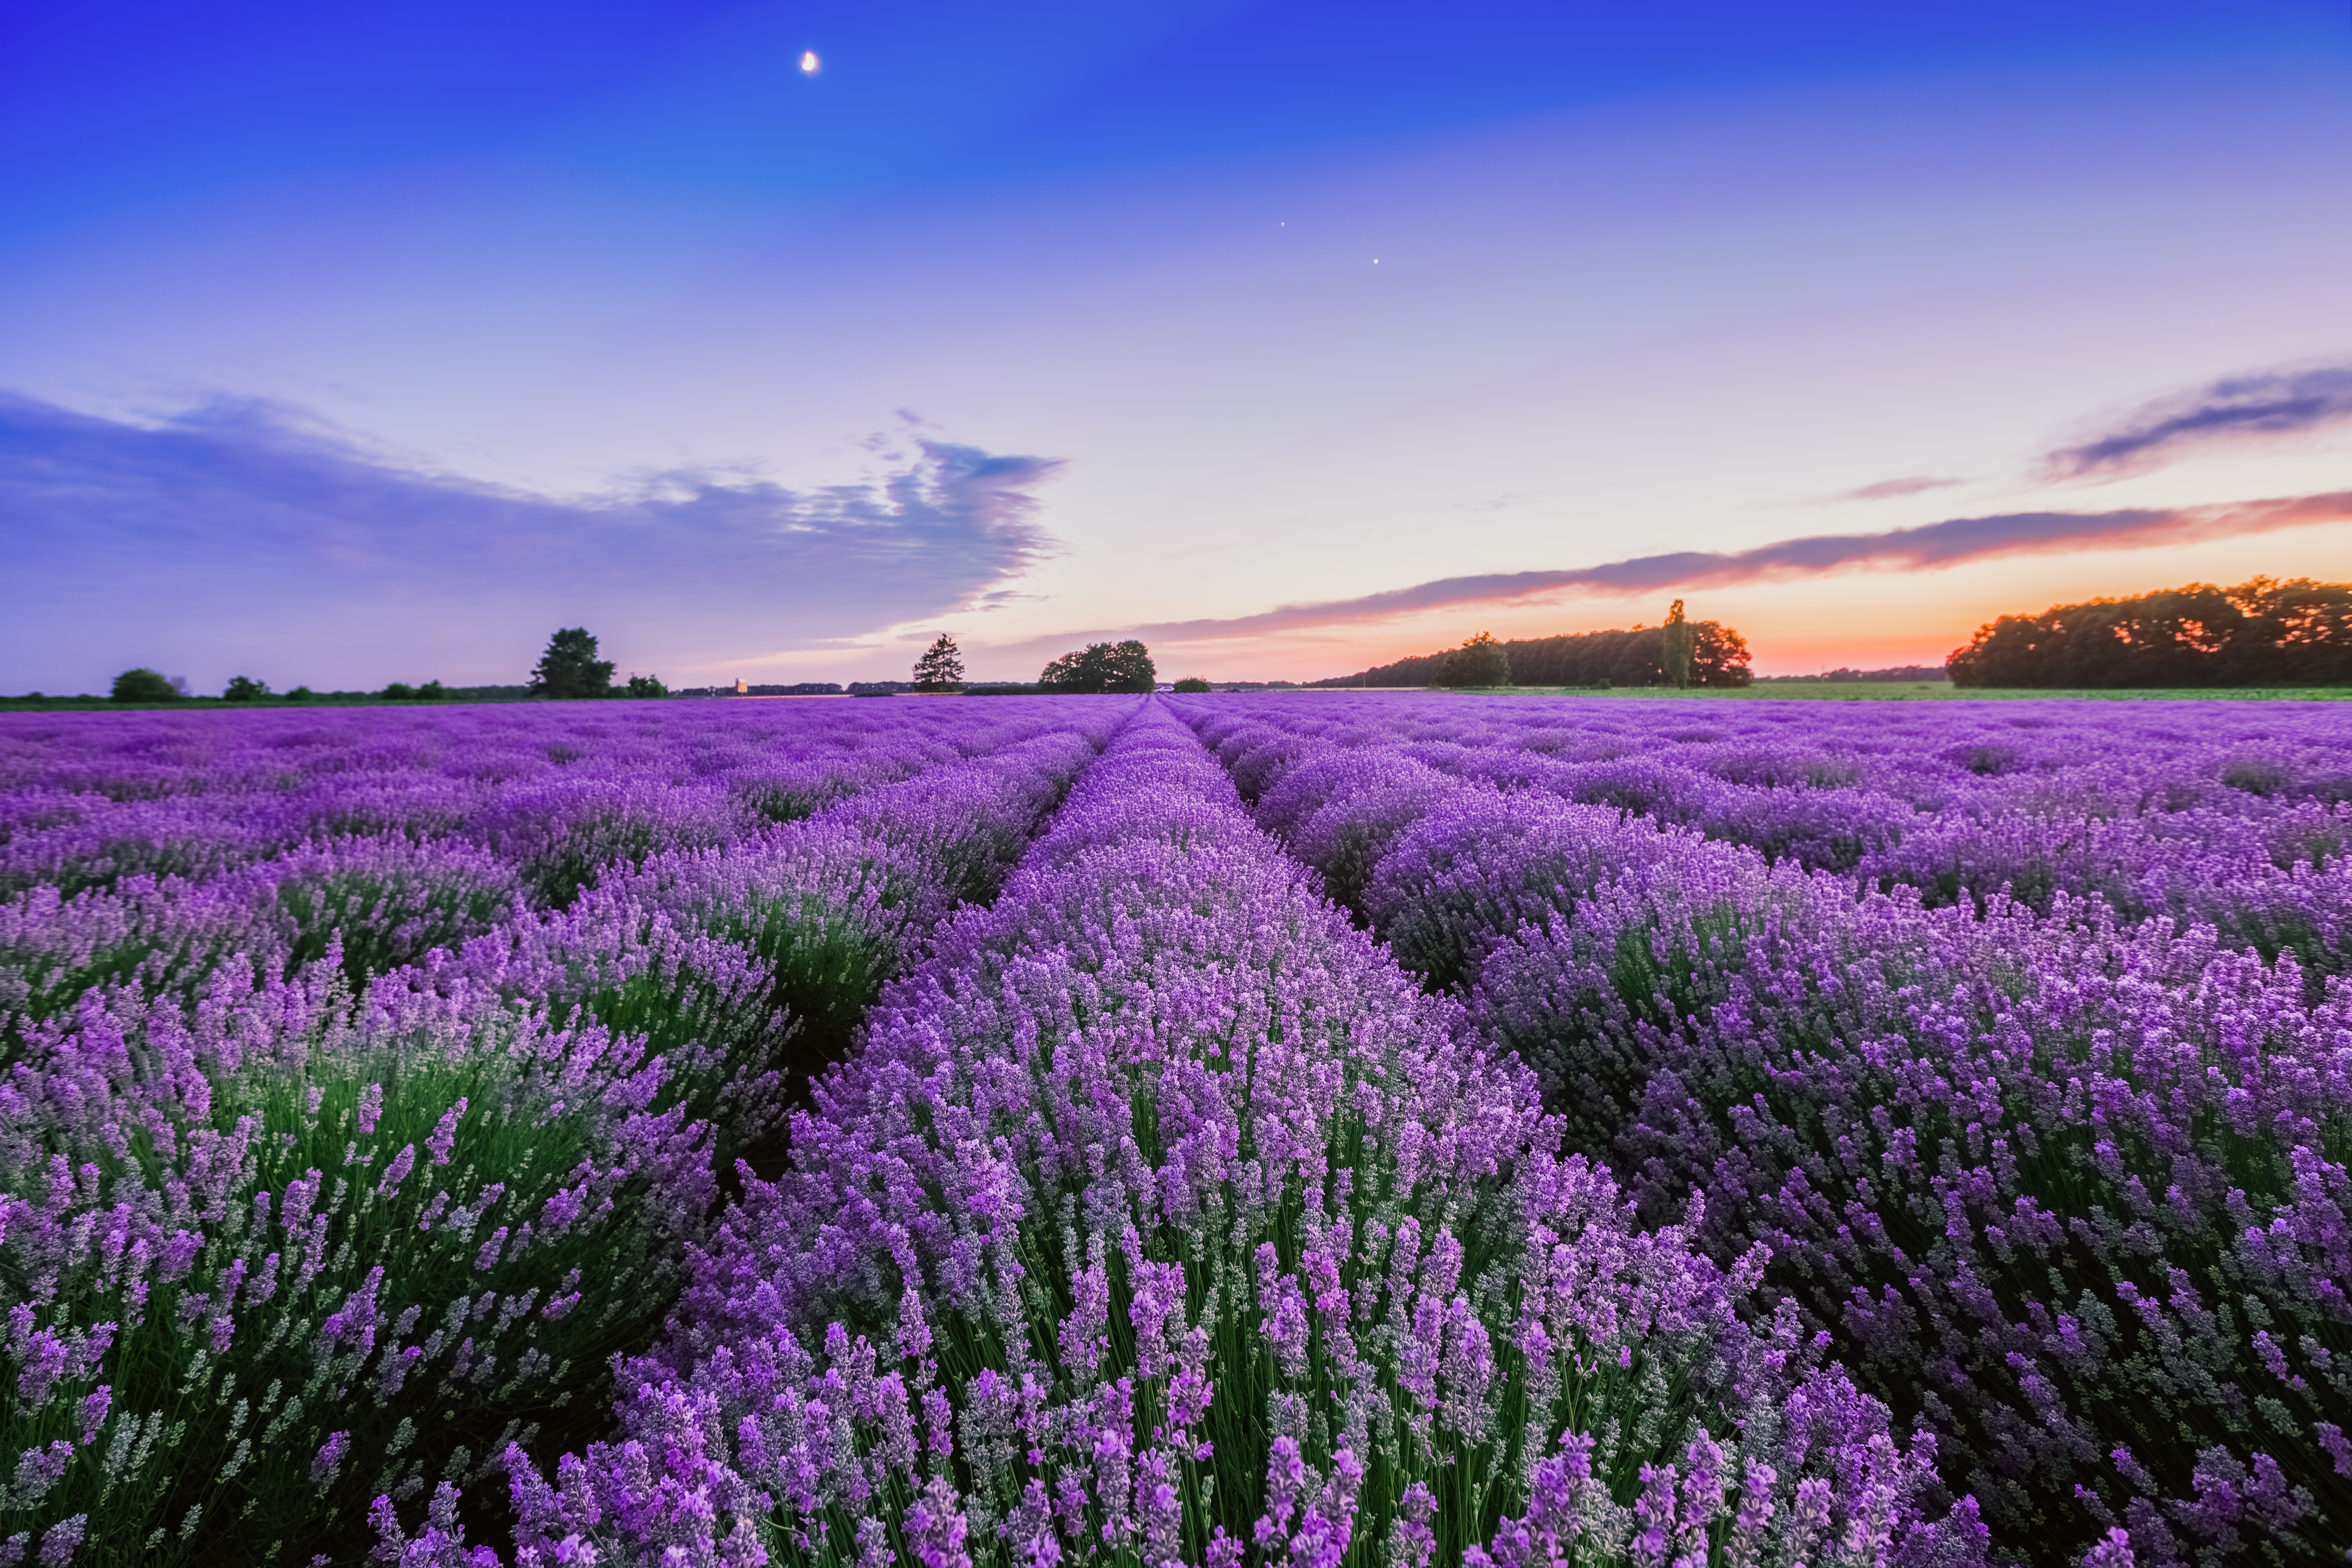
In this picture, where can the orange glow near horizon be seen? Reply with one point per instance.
(1858, 620)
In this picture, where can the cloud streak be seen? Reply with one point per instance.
(1933, 545)
(2241, 408)
(206, 527)
(1886, 490)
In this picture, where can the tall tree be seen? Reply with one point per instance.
(1678, 641)
(941, 666)
(1102, 667)
(1480, 661)
(570, 667)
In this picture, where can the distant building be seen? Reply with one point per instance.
(740, 689)
(1165, 686)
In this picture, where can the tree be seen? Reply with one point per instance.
(1634, 655)
(1101, 666)
(144, 686)
(245, 689)
(570, 667)
(646, 685)
(1480, 661)
(1191, 683)
(941, 666)
(1677, 642)
(398, 691)
(2261, 633)
(1718, 656)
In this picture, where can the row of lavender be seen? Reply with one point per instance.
(327, 1178)
(2224, 813)
(88, 799)
(153, 849)
(2067, 1187)
(1161, 1218)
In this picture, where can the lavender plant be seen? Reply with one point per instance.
(1160, 1216)
(221, 1235)
(280, 1257)
(1951, 1126)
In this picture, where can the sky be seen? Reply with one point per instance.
(341, 345)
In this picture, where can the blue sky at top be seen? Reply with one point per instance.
(320, 327)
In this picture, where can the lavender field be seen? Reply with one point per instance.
(1372, 1129)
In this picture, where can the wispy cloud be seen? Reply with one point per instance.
(1886, 490)
(2237, 408)
(1935, 544)
(207, 527)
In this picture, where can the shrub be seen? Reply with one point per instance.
(1193, 683)
(144, 686)
(245, 689)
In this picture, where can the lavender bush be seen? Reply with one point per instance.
(2072, 1191)
(272, 1262)
(1160, 1217)
(392, 1134)
(190, 1069)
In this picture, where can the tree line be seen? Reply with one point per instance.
(569, 668)
(1103, 666)
(2262, 632)
(1677, 652)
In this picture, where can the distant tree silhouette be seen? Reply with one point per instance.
(2263, 632)
(245, 689)
(1677, 640)
(1191, 683)
(144, 686)
(1101, 666)
(570, 667)
(941, 666)
(1632, 657)
(1479, 661)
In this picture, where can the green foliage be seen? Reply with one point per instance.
(433, 691)
(646, 685)
(264, 1436)
(1677, 640)
(1191, 683)
(301, 694)
(1480, 661)
(144, 686)
(570, 667)
(941, 666)
(2262, 632)
(400, 691)
(1634, 655)
(245, 689)
(1101, 666)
